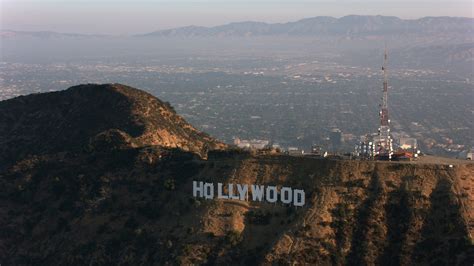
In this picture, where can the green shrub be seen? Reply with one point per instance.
(170, 184)
(233, 238)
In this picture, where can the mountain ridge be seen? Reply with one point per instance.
(347, 25)
(304, 27)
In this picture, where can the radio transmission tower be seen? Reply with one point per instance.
(384, 142)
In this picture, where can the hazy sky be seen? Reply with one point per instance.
(140, 16)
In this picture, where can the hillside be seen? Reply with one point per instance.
(92, 117)
(127, 198)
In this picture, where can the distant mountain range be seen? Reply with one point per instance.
(45, 34)
(316, 26)
(352, 25)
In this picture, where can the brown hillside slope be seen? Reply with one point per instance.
(136, 206)
(102, 175)
(91, 115)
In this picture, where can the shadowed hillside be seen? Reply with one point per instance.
(87, 117)
(131, 202)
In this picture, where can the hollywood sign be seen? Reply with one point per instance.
(259, 193)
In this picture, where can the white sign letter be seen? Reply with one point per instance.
(243, 190)
(231, 192)
(257, 193)
(272, 194)
(286, 195)
(209, 190)
(219, 192)
(197, 188)
(298, 198)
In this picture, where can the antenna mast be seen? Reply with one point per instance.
(384, 145)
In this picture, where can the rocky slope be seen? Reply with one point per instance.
(132, 204)
(87, 117)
